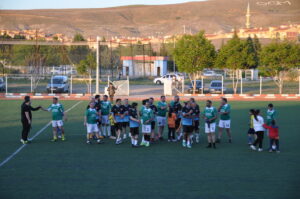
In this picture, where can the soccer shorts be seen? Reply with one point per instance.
(161, 121)
(211, 128)
(251, 131)
(146, 128)
(134, 131)
(224, 124)
(125, 124)
(57, 123)
(105, 120)
(196, 125)
(92, 128)
(187, 129)
(118, 126)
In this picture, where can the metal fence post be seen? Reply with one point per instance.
(222, 85)
(6, 85)
(202, 82)
(241, 84)
(260, 85)
(182, 87)
(299, 85)
(31, 88)
(51, 87)
(71, 88)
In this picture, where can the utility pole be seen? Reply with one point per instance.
(111, 60)
(98, 65)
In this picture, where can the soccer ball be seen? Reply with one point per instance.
(273, 147)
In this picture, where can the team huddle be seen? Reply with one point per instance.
(123, 120)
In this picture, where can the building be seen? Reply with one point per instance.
(139, 66)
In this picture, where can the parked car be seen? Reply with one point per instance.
(216, 87)
(58, 84)
(198, 87)
(173, 77)
(2, 84)
(210, 73)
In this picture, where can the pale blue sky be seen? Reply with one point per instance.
(47, 4)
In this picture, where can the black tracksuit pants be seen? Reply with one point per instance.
(26, 129)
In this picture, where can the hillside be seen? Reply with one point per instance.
(141, 20)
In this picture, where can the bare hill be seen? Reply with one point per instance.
(141, 20)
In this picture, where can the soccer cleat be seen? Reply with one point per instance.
(253, 147)
(174, 140)
(23, 141)
(184, 143)
(99, 141)
(54, 140)
(147, 144)
(270, 150)
(189, 146)
(260, 149)
(59, 136)
(277, 151)
(214, 145)
(209, 145)
(63, 138)
(218, 140)
(169, 140)
(230, 141)
(124, 136)
(143, 144)
(88, 142)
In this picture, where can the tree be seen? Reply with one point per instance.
(233, 56)
(86, 67)
(78, 53)
(193, 54)
(277, 58)
(251, 54)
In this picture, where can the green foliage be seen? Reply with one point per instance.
(194, 53)
(250, 53)
(19, 37)
(86, 66)
(232, 55)
(78, 37)
(277, 57)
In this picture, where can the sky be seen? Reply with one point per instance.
(57, 4)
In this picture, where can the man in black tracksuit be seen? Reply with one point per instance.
(26, 118)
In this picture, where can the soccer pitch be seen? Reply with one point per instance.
(73, 169)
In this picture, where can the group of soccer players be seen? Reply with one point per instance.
(122, 120)
(103, 119)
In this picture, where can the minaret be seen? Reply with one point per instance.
(248, 16)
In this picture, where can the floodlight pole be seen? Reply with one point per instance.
(6, 84)
(222, 84)
(242, 84)
(97, 67)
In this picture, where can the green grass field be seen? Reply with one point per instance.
(165, 170)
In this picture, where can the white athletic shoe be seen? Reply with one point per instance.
(125, 136)
(197, 139)
(253, 147)
(260, 149)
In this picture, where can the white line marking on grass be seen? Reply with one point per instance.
(32, 138)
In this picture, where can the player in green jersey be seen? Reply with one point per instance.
(210, 115)
(271, 114)
(147, 116)
(90, 121)
(224, 122)
(58, 115)
(162, 109)
(105, 112)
